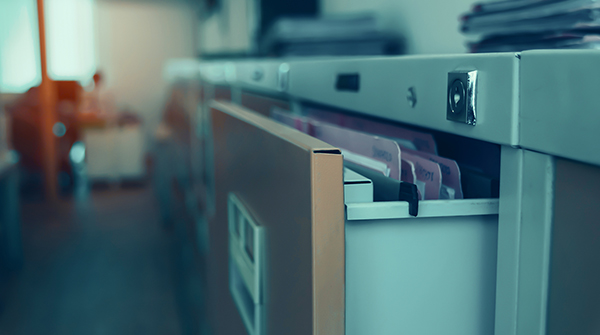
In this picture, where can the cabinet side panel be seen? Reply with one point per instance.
(574, 294)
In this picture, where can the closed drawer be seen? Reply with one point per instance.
(262, 104)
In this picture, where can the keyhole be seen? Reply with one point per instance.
(456, 94)
(456, 98)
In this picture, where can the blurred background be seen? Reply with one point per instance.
(99, 222)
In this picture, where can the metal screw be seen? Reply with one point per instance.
(257, 74)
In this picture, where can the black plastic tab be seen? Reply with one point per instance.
(410, 193)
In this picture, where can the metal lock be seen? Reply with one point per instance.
(460, 100)
(283, 77)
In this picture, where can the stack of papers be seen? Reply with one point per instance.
(516, 25)
(352, 35)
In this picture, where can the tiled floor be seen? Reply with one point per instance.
(100, 265)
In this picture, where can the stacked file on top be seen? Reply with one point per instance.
(516, 25)
(347, 35)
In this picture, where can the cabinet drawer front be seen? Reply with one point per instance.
(292, 185)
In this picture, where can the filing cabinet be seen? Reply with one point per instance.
(524, 262)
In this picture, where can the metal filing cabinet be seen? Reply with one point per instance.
(522, 263)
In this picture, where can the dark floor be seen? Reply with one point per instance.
(103, 264)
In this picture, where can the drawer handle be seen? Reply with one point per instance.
(246, 240)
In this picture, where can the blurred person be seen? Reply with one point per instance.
(176, 120)
(172, 149)
(25, 114)
(25, 135)
(98, 101)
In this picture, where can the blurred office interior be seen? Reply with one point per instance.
(102, 221)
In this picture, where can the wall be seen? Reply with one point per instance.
(430, 26)
(134, 39)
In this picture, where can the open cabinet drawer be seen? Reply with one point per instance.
(430, 274)
(296, 260)
(288, 187)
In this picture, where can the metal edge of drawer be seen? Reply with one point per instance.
(427, 208)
